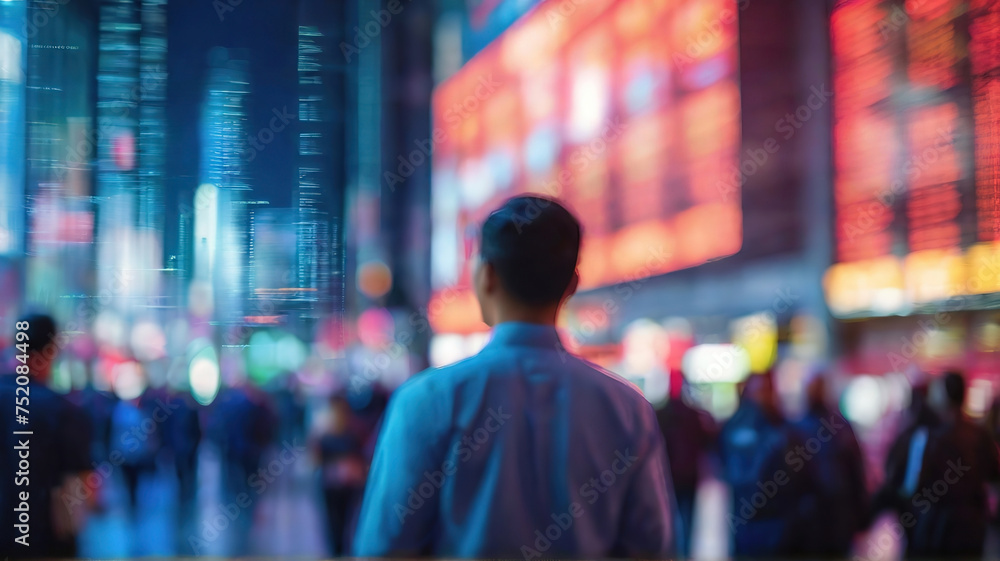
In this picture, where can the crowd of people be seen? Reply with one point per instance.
(89, 440)
(523, 450)
(799, 486)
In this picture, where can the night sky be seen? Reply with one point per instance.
(268, 30)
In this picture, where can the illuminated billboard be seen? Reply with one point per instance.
(916, 152)
(628, 111)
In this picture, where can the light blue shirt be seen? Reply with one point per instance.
(522, 451)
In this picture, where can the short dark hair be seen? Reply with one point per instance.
(954, 388)
(533, 243)
(41, 331)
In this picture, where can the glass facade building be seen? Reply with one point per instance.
(223, 164)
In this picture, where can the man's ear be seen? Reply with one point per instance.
(574, 283)
(487, 277)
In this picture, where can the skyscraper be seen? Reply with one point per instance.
(324, 82)
(131, 127)
(223, 161)
(152, 113)
(60, 41)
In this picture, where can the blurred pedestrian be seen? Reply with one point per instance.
(917, 422)
(523, 450)
(291, 412)
(339, 451)
(904, 462)
(770, 475)
(43, 503)
(842, 505)
(244, 424)
(99, 406)
(135, 434)
(992, 421)
(689, 436)
(182, 432)
(959, 463)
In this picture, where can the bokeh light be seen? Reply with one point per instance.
(374, 279)
(203, 375)
(149, 343)
(129, 380)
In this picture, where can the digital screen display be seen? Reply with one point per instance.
(627, 111)
(916, 150)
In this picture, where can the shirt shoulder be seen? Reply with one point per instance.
(442, 379)
(617, 385)
(622, 396)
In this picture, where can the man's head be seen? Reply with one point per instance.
(953, 385)
(816, 390)
(42, 346)
(759, 389)
(528, 254)
(947, 394)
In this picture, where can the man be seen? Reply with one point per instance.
(57, 452)
(338, 449)
(182, 435)
(903, 465)
(841, 493)
(241, 422)
(689, 435)
(950, 500)
(767, 468)
(523, 450)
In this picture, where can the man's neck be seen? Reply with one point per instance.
(538, 316)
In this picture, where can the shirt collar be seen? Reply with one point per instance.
(522, 334)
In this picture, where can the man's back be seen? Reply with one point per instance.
(951, 499)
(523, 450)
